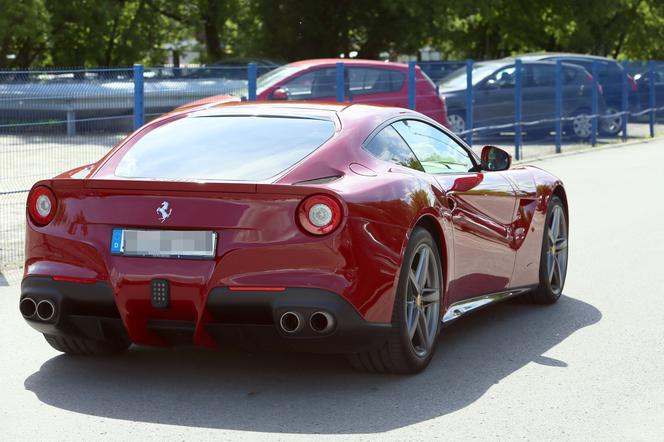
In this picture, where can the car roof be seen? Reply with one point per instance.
(548, 55)
(347, 114)
(347, 61)
(510, 60)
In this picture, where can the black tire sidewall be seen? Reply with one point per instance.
(544, 283)
(418, 237)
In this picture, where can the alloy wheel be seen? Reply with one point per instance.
(612, 123)
(423, 300)
(556, 254)
(582, 126)
(457, 123)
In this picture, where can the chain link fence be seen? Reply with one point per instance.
(54, 120)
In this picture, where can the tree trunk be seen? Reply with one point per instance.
(211, 17)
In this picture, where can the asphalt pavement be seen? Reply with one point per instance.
(590, 367)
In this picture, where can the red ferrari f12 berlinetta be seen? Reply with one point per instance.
(343, 228)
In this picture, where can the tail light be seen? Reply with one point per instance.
(632, 83)
(42, 205)
(599, 86)
(319, 214)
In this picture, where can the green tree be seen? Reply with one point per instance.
(23, 33)
(105, 32)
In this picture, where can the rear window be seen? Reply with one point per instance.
(374, 81)
(234, 148)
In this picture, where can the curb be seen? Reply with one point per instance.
(590, 150)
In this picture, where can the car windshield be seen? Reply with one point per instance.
(233, 148)
(275, 76)
(457, 79)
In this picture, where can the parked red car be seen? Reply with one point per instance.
(366, 81)
(338, 228)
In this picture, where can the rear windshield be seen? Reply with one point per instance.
(235, 148)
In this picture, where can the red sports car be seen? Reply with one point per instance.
(366, 81)
(350, 229)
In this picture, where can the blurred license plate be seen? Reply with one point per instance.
(198, 244)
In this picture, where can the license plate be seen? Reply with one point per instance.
(193, 244)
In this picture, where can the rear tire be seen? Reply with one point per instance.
(553, 259)
(86, 347)
(611, 125)
(415, 315)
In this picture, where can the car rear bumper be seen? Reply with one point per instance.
(248, 318)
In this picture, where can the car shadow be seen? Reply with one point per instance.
(302, 393)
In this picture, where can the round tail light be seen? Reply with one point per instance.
(41, 205)
(319, 214)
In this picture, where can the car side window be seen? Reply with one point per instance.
(374, 81)
(387, 145)
(569, 75)
(318, 83)
(504, 78)
(436, 151)
(542, 76)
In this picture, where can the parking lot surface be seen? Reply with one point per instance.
(586, 368)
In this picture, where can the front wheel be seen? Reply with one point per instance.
(457, 122)
(553, 260)
(582, 126)
(416, 313)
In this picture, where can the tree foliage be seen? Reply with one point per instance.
(122, 32)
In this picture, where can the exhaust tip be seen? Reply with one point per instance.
(45, 310)
(321, 322)
(28, 307)
(290, 322)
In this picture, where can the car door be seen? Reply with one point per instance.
(378, 86)
(493, 98)
(482, 204)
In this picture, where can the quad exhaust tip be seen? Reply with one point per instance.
(28, 307)
(321, 322)
(291, 322)
(45, 310)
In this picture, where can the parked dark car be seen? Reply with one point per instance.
(643, 82)
(493, 97)
(438, 70)
(610, 76)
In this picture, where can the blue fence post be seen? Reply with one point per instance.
(469, 101)
(595, 105)
(411, 85)
(251, 82)
(340, 86)
(139, 110)
(559, 105)
(651, 96)
(517, 109)
(625, 101)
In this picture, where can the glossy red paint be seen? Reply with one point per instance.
(490, 226)
(428, 101)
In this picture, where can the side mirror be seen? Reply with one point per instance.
(279, 94)
(491, 84)
(494, 159)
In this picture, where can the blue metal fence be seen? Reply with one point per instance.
(54, 120)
